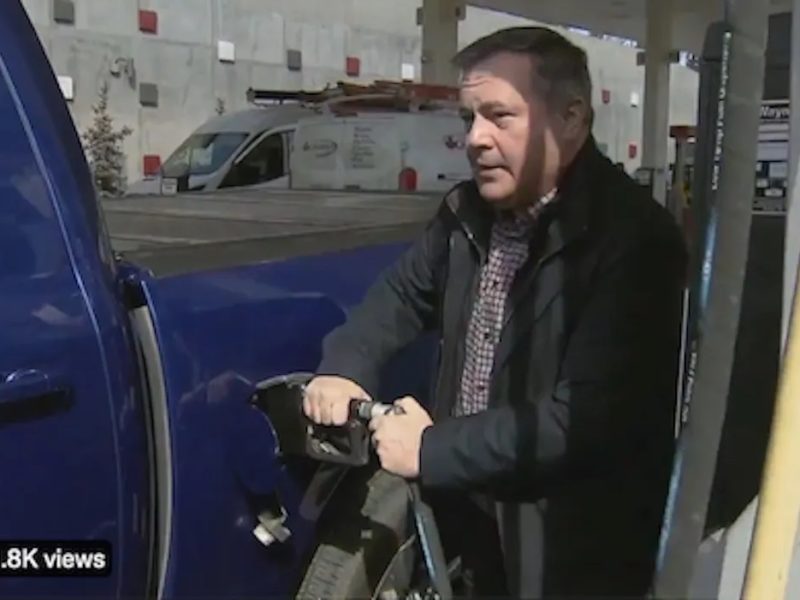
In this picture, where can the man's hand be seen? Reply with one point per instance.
(327, 399)
(398, 437)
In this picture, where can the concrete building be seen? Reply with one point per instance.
(171, 64)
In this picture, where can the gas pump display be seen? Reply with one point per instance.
(772, 168)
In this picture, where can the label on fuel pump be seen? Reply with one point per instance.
(772, 168)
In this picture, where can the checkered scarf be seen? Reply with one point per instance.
(508, 251)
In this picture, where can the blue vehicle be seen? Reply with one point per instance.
(134, 337)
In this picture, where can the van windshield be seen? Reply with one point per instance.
(202, 153)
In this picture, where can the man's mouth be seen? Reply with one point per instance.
(488, 169)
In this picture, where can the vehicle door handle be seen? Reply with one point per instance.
(29, 384)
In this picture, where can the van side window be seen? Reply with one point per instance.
(264, 162)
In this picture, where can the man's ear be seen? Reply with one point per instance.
(577, 115)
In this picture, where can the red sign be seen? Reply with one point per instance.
(148, 21)
(353, 66)
(151, 164)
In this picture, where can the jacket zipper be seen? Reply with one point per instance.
(468, 232)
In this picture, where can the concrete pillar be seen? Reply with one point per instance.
(439, 20)
(655, 123)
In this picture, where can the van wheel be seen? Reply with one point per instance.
(369, 550)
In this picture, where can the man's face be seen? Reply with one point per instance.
(513, 138)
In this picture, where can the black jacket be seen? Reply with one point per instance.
(576, 447)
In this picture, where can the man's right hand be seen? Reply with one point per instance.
(327, 399)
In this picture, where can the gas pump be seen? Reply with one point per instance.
(732, 357)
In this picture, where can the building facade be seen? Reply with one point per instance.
(172, 64)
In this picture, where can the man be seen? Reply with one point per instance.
(555, 284)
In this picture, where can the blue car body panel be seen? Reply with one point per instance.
(75, 457)
(220, 334)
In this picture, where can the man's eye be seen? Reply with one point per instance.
(468, 120)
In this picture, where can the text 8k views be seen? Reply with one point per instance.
(51, 558)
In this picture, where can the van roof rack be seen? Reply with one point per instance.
(269, 97)
(380, 95)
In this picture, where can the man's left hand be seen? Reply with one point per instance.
(398, 437)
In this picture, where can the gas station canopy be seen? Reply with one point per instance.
(623, 18)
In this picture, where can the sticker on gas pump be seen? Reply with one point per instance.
(773, 154)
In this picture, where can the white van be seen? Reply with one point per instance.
(380, 150)
(244, 148)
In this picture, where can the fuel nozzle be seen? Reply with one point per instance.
(366, 410)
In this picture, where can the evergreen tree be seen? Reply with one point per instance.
(104, 148)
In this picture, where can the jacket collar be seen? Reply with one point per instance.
(472, 214)
(567, 216)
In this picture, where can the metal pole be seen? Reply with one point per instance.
(719, 293)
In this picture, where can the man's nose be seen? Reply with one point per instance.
(478, 135)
